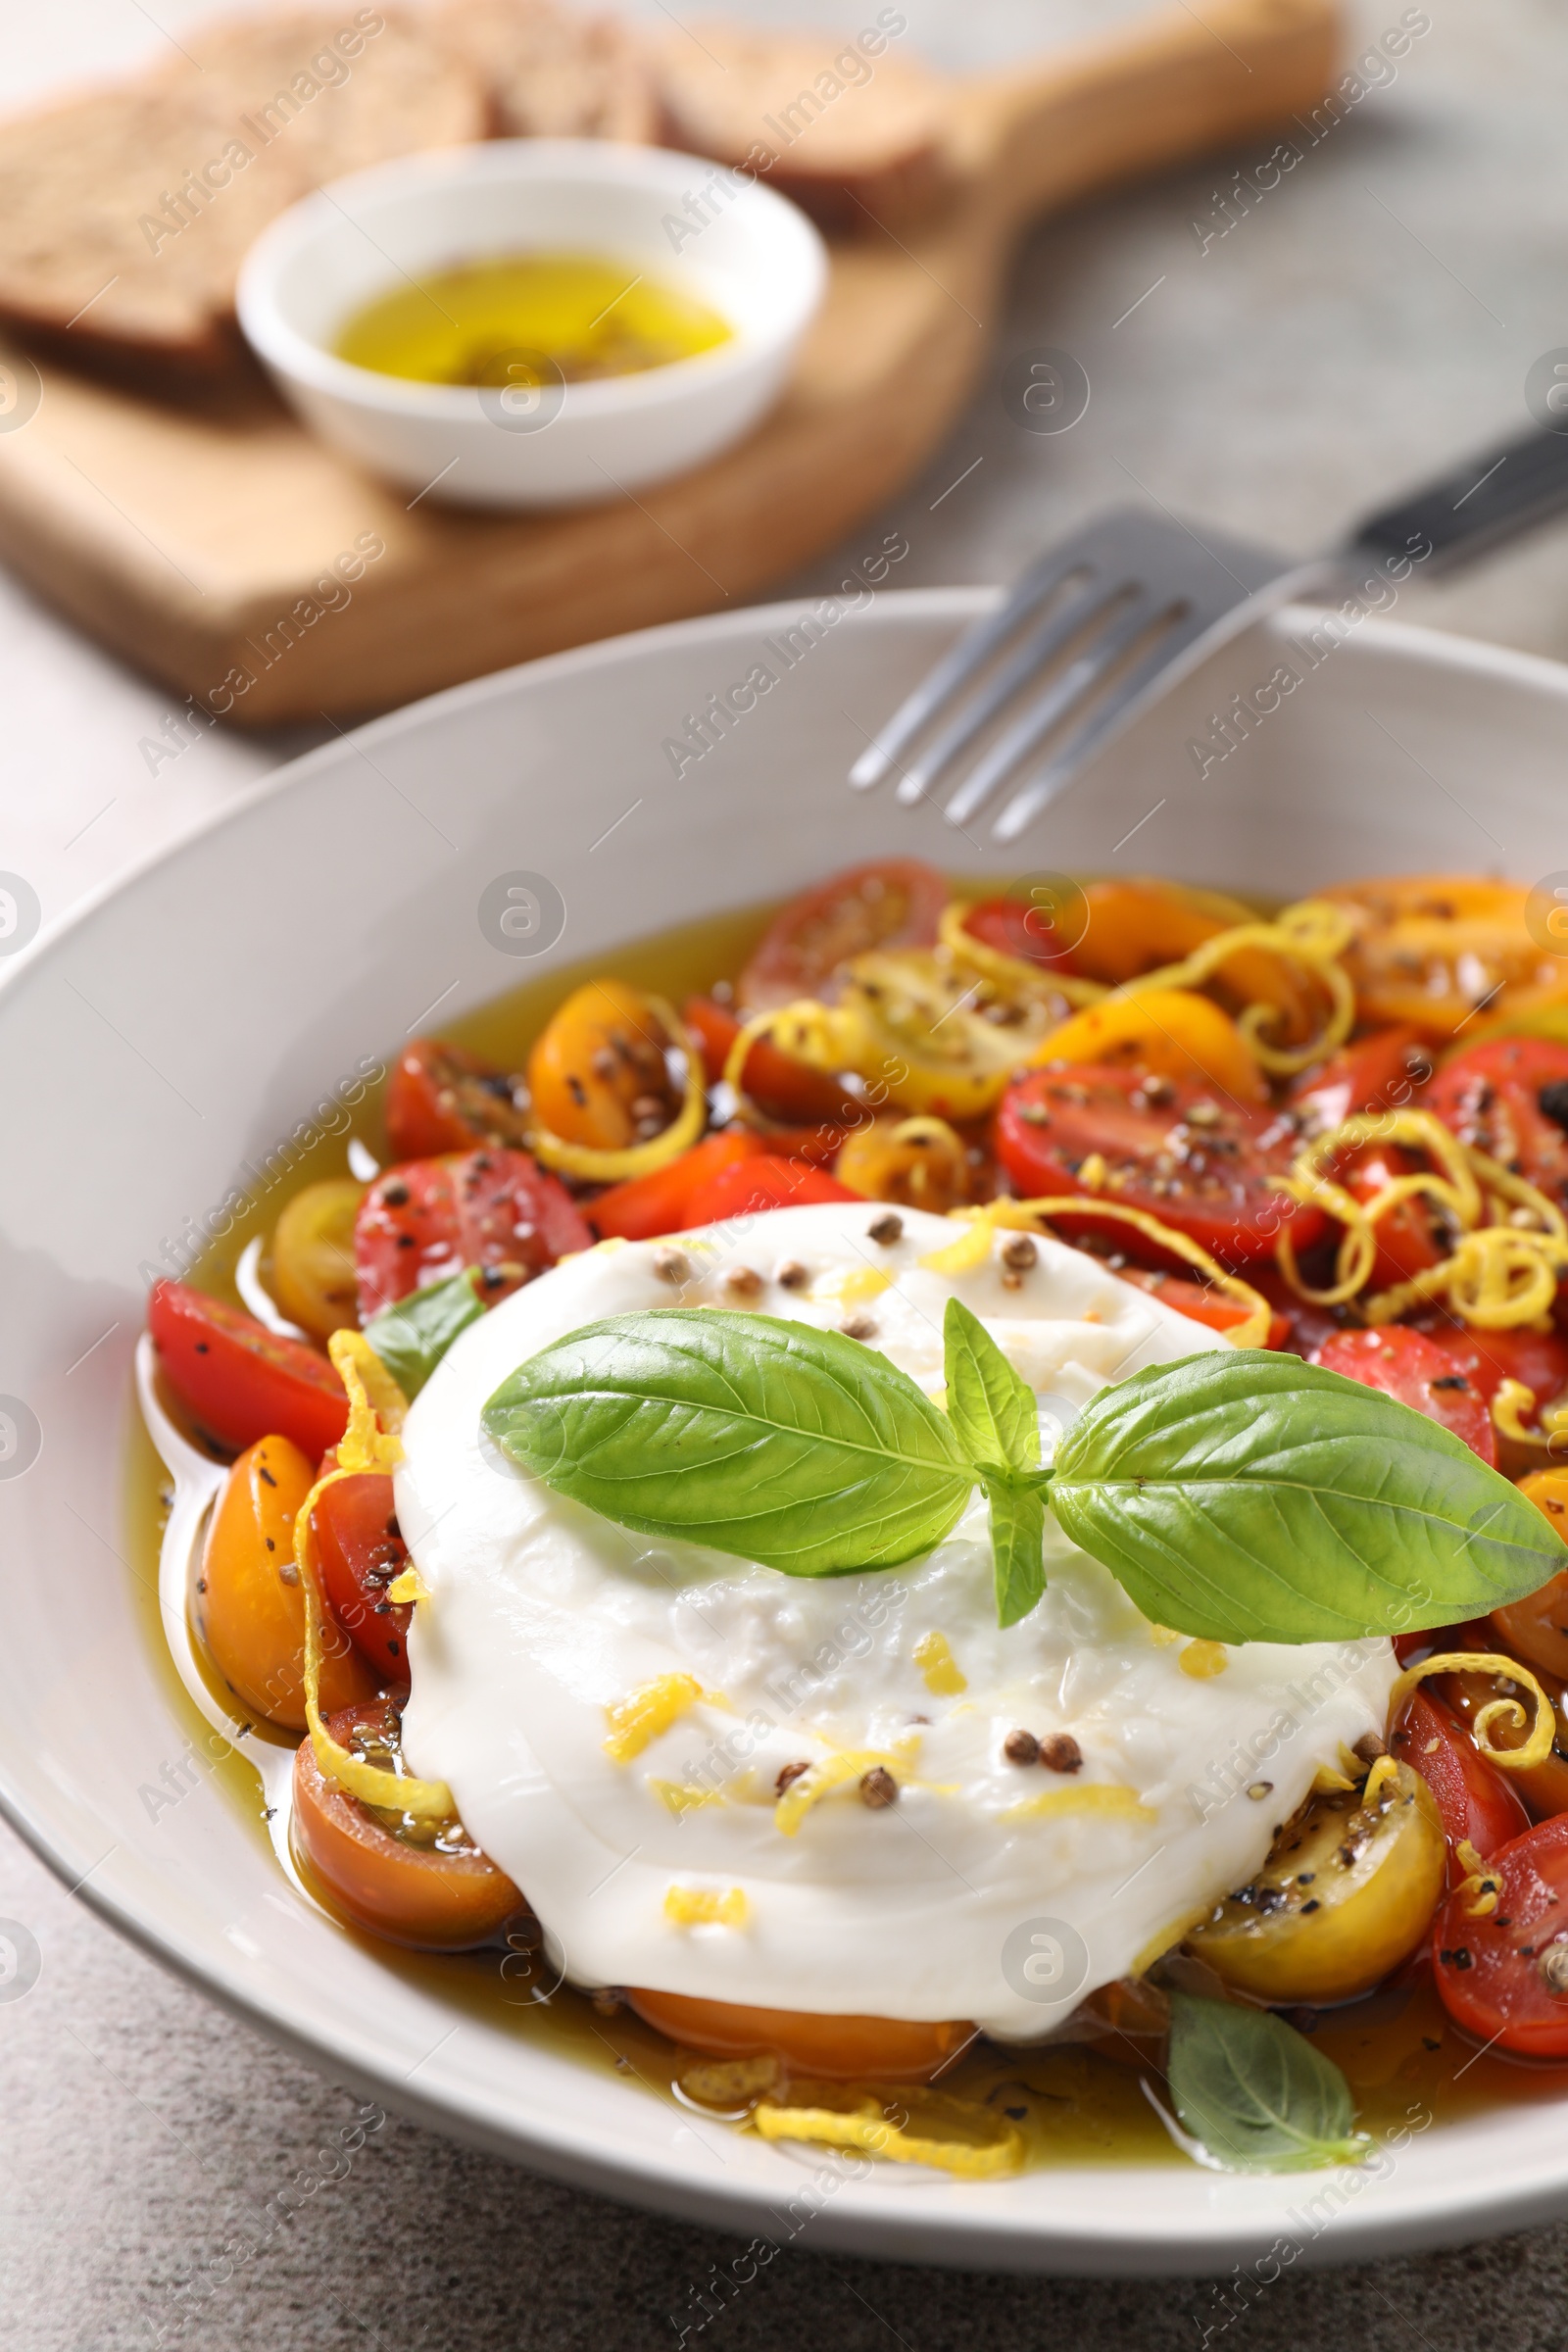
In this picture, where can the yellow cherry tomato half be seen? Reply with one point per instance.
(918, 1164)
(417, 1883)
(1347, 1893)
(249, 1608)
(1170, 1032)
(312, 1268)
(600, 1075)
(1434, 948)
(886, 2049)
(940, 1044)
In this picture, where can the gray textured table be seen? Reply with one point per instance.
(1376, 315)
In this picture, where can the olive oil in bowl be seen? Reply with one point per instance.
(590, 317)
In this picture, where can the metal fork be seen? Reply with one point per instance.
(1115, 617)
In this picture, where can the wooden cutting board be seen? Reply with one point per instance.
(184, 538)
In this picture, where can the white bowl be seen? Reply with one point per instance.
(757, 262)
(185, 1021)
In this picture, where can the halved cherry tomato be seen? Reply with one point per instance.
(1199, 1306)
(423, 1884)
(645, 1206)
(359, 1551)
(440, 1098)
(1510, 1098)
(748, 1187)
(1379, 1072)
(1172, 1032)
(894, 902)
(237, 1379)
(1205, 1165)
(1472, 1795)
(1490, 1970)
(1406, 1364)
(1140, 927)
(779, 1085)
(429, 1218)
(1545, 1785)
(313, 1256)
(885, 2048)
(1536, 1629)
(1022, 931)
(1409, 1234)
(249, 1608)
(1434, 948)
(600, 1074)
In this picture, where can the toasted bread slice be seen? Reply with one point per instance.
(553, 74)
(129, 209)
(848, 134)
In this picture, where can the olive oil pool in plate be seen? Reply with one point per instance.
(590, 316)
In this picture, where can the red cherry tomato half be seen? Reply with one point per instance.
(1408, 1235)
(748, 1187)
(1025, 933)
(1510, 1098)
(1196, 1160)
(1201, 1305)
(239, 1380)
(1380, 1072)
(428, 1218)
(896, 903)
(645, 1206)
(359, 1551)
(441, 1099)
(1488, 1970)
(778, 1084)
(1487, 1358)
(1474, 1799)
(1406, 1364)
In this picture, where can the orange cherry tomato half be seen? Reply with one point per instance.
(748, 1187)
(495, 1210)
(884, 2048)
(440, 1098)
(1492, 1971)
(1510, 1098)
(1536, 1629)
(600, 1074)
(425, 1885)
(250, 1605)
(239, 1380)
(1434, 948)
(1473, 1797)
(1140, 927)
(645, 1206)
(359, 1551)
(1413, 1369)
(895, 902)
(781, 1087)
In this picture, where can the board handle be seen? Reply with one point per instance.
(1174, 84)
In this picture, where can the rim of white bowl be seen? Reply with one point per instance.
(877, 2221)
(605, 163)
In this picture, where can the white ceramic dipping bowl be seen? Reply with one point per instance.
(757, 262)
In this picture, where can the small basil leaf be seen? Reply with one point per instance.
(796, 1447)
(1249, 1497)
(1017, 1543)
(1254, 2093)
(992, 1407)
(411, 1336)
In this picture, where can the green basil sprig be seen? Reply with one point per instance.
(1254, 2093)
(411, 1336)
(1236, 1495)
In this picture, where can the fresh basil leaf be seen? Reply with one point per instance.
(1249, 1497)
(1017, 1543)
(411, 1336)
(992, 1406)
(1254, 2093)
(794, 1446)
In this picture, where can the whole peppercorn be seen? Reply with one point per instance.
(878, 1788)
(1060, 1753)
